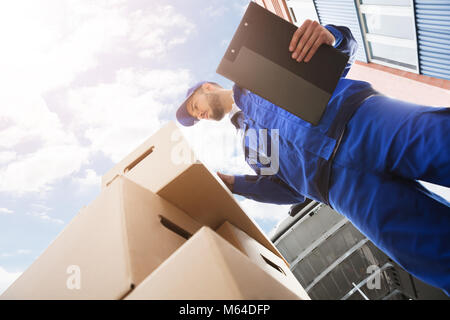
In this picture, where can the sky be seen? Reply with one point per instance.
(86, 82)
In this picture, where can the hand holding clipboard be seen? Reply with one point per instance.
(308, 38)
(258, 59)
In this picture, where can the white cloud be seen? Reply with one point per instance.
(46, 46)
(157, 31)
(50, 151)
(52, 42)
(7, 278)
(215, 11)
(29, 119)
(116, 117)
(49, 33)
(23, 251)
(37, 171)
(91, 178)
(42, 212)
(241, 6)
(6, 210)
(265, 211)
(7, 156)
(18, 252)
(46, 217)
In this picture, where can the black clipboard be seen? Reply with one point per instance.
(258, 59)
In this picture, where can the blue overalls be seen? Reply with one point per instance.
(362, 159)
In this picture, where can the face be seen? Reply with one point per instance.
(206, 104)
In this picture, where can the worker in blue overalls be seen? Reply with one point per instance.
(363, 158)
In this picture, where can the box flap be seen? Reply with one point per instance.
(150, 241)
(197, 192)
(208, 267)
(167, 144)
(263, 257)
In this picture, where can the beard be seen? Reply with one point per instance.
(217, 109)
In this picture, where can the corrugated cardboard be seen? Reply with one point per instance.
(263, 257)
(166, 165)
(115, 242)
(166, 152)
(208, 267)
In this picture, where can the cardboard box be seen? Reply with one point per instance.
(166, 165)
(108, 248)
(263, 257)
(208, 267)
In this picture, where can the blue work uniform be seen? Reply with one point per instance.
(362, 159)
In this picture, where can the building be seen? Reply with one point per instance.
(404, 37)
(404, 52)
(333, 260)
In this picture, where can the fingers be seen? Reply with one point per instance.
(298, 33)
(304, 38)
(225, 178)
(319, 40)
(228, 180)
(311, 41)
(307, 39)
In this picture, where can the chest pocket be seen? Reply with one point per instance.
(261, 148)
(267, 115)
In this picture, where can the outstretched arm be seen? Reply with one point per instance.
(262, 188)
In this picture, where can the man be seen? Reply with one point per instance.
(362, 159)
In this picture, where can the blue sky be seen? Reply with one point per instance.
(83, 84)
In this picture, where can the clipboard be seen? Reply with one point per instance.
(258, 59)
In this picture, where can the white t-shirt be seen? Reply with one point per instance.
(234, 109)
(263, 148)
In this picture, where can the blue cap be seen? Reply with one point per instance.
(183, 115)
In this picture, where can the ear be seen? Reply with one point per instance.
(208, 86)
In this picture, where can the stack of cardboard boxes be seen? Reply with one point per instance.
(163, 227)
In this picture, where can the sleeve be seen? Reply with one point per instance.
(268, 189)
(345, 42)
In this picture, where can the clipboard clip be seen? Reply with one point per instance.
(245, 25)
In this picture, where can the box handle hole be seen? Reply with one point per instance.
(174, 228)
(139, 159)
(273, 265)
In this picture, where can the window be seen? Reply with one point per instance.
(390, 33)
(301, 10)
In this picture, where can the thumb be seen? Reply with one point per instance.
(222, 176)
(225, 178)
